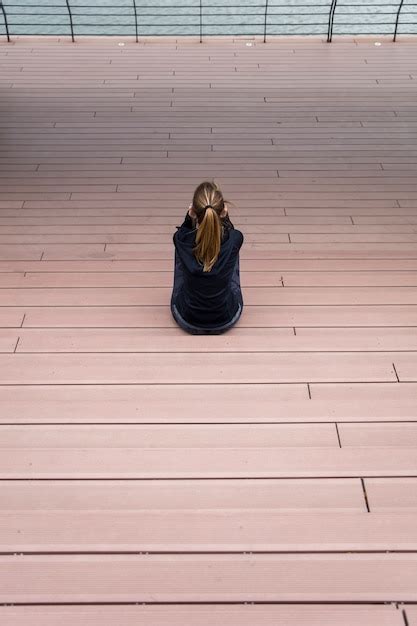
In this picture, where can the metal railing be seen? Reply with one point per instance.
(197, 17)
(6, 24)
(397, 20)
(396, 11)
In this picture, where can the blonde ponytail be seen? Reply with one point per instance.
(208, 239)
(208, 205)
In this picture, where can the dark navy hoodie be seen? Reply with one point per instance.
(207, 299)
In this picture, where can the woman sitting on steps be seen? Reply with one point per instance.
(207, 298)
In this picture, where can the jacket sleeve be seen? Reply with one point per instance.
(188, 222)
(240, 239)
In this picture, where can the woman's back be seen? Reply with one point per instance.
(208, 299)
(207, 294)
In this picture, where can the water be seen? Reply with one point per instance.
(218, 17)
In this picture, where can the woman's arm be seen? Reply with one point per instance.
(189, 222)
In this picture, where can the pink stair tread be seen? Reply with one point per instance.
(304, 495)
(209, 368)
(214, 578)
(159, 403)
(381, 434)
(164, 436)
(238, 339)
(188, 462)
(246, 615)
(392, 494)
(223, 530)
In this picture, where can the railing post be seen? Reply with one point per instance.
(201, 21)
(70, 17)
(265, 19)
(397, 20)
(331, 18)
(5, 20)
(136, 20)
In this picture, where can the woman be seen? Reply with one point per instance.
(207, 298)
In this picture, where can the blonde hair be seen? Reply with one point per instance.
(208, 204)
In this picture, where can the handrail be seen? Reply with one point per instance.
(265, 19)
(331, 19)
(5, 20)
(397, 20)
(136, 20)
(70, 17)
(262, 18)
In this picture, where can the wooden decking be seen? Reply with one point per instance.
(267, 476)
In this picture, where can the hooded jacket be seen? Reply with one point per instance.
(206, 299)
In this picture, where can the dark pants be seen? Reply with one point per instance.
(196, 330)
